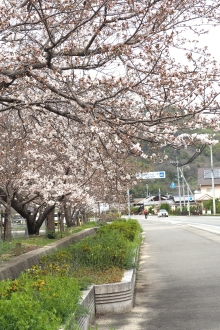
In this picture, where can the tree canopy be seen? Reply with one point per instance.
(84, 82)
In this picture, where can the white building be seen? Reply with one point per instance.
(205, 182)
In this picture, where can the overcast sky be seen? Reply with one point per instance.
(211, 40)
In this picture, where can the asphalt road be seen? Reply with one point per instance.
(178, 283)
(209, 223)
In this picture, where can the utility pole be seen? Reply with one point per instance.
(188, 190)
(178, 178)
(188, 199)
(184, 200)
(213, 183)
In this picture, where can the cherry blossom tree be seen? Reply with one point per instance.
(49, 168)
(106, 65)
(88, 80)
(13, 164)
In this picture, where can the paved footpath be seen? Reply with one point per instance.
(178, 282)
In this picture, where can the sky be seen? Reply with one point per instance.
(211, 40)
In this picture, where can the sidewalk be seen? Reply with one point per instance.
(178, 281)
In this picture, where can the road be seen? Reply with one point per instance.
(208, 223)
(178, 283)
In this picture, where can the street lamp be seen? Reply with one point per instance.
(213, 182)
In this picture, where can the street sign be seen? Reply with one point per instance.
(151, 175)
(172, 185)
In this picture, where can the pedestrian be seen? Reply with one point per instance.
(145, 213)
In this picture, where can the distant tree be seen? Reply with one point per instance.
(165, 206)
(208, 205)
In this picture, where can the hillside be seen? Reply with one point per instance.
(190, 170)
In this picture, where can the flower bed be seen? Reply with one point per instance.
(113, 246)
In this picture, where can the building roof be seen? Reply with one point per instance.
(152, 203)
(183, 198)
(204, 197)
(152, 198)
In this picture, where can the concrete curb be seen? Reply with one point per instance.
(108, 298)
(116, 297)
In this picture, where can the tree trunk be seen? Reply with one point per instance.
(50, 222)
(33, 224)
(76, 217)
(84, 217)
(68, 217)
(61, 225)
(7, 229)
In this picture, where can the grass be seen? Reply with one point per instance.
(101, 258)
(7, 249)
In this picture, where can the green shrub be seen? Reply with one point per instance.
(23, 313)
(165, 206)
(51, 234)
(37, 302)
(113, 245)
(135, 209)
(129, 229)
(91, 252)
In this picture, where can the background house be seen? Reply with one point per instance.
(205, 182)
(154, 201)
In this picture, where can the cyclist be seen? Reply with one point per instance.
(145, 213)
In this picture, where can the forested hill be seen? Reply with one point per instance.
(182, 156)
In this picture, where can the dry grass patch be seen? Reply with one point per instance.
(95, 276)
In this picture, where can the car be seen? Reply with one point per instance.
(162, 213)
(57, 217)
(17, 218)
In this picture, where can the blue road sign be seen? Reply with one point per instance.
(172, 185)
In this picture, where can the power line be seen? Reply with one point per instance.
(196, 154)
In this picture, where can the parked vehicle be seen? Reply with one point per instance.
(56, 219)
(162, 213)
(18, 219)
